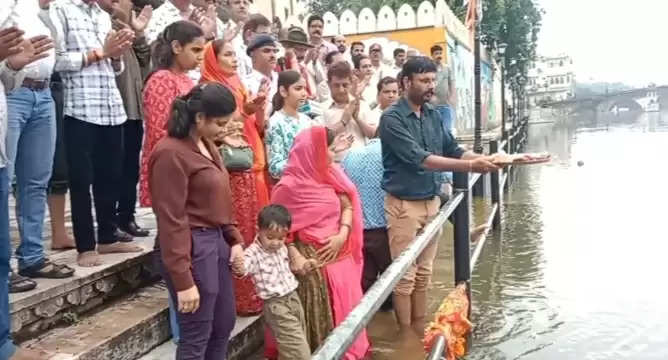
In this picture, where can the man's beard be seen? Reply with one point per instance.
(421, 98)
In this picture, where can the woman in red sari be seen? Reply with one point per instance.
(220, 66)
(326, 225)
(178, 50)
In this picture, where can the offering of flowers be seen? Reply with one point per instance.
(451, 321)
(520, 159)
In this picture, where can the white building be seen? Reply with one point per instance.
(551, 79)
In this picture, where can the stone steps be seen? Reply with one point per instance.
(56, 300)
(135, 326)
(124, 329)
(117, 311)
(245, 342)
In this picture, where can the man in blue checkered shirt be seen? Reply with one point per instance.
(364, 167)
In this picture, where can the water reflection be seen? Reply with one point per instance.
(577, 271)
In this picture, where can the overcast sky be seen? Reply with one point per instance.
(609, 40)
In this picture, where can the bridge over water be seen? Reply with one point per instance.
(643, 99)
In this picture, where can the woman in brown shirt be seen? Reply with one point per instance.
(197, 236)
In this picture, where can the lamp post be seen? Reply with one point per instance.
(477, 132)
(500, 59)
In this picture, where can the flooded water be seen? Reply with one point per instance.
(577, 269)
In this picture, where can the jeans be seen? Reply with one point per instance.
(94, 157)
(133, 133)
(31, 141)
(7, 347)
(446, 116)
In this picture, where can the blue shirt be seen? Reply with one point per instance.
(407, 140)
(364, 167)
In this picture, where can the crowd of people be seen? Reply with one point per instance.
(285, 170)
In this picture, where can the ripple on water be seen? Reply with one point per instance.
(547, 289)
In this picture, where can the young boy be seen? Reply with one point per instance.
(267, 261)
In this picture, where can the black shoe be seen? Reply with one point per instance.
(133, 229)
(119, 235)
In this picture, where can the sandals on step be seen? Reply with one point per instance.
(48, 270)
(19, 284)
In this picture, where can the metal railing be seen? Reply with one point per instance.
(458, 207)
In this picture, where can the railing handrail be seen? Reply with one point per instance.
(338, 341)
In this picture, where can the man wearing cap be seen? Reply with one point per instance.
(263, 53)
(296, 47)
(257, 24)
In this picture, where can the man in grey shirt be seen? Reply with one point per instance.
(445, 97)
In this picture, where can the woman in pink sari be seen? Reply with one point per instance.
(327, 225)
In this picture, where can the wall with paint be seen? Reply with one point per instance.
(421, 39)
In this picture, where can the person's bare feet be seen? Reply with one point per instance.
(477, 232)
(118, 247)
(29, 354)
(62, 242)
(89, 259)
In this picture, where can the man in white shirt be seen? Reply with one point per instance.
(11, 43)
(323, 93)
(257, 24)
(31, 141)
(347, 112)
(88, 59)
(263, 52)
(388, 93)
(399, 60)
(365, 72)
(238, 12)
(172, 11)
(379, 68)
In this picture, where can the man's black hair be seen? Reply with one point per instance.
(417, 65)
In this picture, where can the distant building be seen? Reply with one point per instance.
(551, 79)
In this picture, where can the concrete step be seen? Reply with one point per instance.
(131, 326)
(245, 342)
(57, 300)
(123, 329)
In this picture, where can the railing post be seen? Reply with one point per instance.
(494, 176)
(463, 237)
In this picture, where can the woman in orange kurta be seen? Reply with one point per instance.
(220, 66)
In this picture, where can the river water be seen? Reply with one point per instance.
(577, 270)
